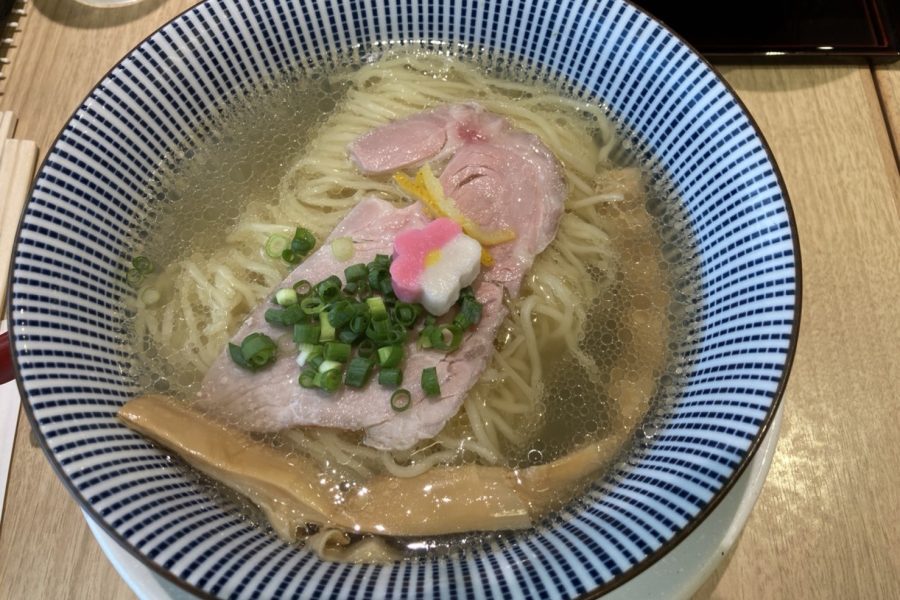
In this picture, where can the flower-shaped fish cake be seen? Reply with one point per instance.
(432, 264)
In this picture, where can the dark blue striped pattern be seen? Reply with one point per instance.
(84, 218)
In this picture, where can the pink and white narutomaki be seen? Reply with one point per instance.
(432, 264)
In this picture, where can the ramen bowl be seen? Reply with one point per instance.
(84, 220)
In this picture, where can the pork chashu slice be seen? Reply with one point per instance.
(499, 177)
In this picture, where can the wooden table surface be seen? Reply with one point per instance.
(826, 524)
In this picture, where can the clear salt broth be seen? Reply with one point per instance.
(201, 194)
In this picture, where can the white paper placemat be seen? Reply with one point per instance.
(9, 418)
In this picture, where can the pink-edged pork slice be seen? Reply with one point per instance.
(500, 178)
(272, 399)
(431, 135)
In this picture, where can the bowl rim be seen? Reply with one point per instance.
(639, 567)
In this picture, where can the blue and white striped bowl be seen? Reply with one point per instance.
(82, 222)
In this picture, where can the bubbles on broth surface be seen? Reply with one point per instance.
(604, 388)
(240, 164)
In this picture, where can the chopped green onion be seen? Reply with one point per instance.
(385, 333)
(337, 351)
(285, 317)
(329, 289)
(326, 329)
(382, 332)
(390, 377)
(357, 272)
(302, 287)
(359, 323)
(256, 352)
(385, 286)
(308, 378)
(235, 352)
(366, 348)
(299, 246)
(275, 316)
(430, 384)
(380, 262)
(375, 277)
(315, 361)
(341, 313)
(377, 337)
(377, 309)
(303, 241)
(329, 365)
(383, 326)
(380, 279)
(312, 305)
(348, 336)
(306, 333)
(286, 297)
(258, 349)
(142, 264)
(358, 372)
(149, 296)
(397, 334)
(406, 314)
(390, 356)
(329, 380)
(444, 337)
(425, 336)
(276, 245)
(307, 353)
(401, 399)
(469, 312)
(342, 248)
(134, 278)
(362, 288)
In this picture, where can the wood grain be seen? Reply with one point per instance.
(7, 125)
(65, 51)
(11, 33)
(825, 525)
(887, 79)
